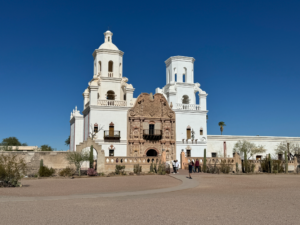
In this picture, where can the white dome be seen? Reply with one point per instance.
(108, 45)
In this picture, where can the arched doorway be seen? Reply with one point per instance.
(151, 152)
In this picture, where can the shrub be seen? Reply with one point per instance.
(225, 167)
(120, 170)
(12, 169)
(278, 166)
(212, 168)
(137, 169)
(91, 172)
(44, 171)
(161, 169)
(67, 172)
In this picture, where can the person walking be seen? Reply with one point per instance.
(190, 169)
(177, 166)
(193, 166)
(197, 165)
(174, 166)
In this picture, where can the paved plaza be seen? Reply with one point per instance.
(206, 199)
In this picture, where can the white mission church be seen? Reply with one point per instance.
(124, 127)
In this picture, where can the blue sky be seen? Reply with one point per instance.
(247, 60)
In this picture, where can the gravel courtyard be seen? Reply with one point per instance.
(218, 199)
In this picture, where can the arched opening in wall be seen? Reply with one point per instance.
(110, 95)
(151, 152)
(120, 69)
(175, 77)
(111, 129)
(188, 132)
(185, 99)
(96, 128)
(197, 99)
(99, 67)
(108, 39)
(184, 76)
(110, 68)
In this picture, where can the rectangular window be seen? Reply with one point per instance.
(188, 153)
(201, 132)
(111, 152)
(213, 154)
(279, 156)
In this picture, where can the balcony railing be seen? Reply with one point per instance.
(187, 106)
(152, 134)
(112, 135)
(111, 103)
(110, 74)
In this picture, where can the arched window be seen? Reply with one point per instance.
(95, 128)
(188, 132)
(201, 131)
(110, 68)
(175, 77)
(108, 39)
(110, 95)
(111, 129)
(185, 99)
(184, 77)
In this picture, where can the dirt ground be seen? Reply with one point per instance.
(218, 199)
(58, 187)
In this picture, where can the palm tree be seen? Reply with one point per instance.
(222, 125)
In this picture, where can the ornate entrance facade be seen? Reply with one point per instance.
(151, 127)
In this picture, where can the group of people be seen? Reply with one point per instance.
(193, 167)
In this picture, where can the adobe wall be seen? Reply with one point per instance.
(56, 160)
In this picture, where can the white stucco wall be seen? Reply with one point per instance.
(216, 142)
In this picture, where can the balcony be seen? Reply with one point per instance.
(112, 103)
(112, 136)
(152, 134)
(187, 106)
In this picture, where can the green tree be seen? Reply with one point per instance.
(222, 125)
(12, 141)
(67, 141)
(46, 148)
(249, 148)
(77, 158)
(294, 148)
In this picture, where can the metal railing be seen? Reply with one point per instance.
(188, 106)
(112, 134)
(152, 132)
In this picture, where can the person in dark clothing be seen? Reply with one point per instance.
(190, 169)
(197, 165)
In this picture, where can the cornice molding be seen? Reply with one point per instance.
(252, 138)
(108, 51)
(179, 58)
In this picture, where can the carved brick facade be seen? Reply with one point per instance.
(151, 112)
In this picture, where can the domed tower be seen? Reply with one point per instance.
(180, 91)
(106, 102)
